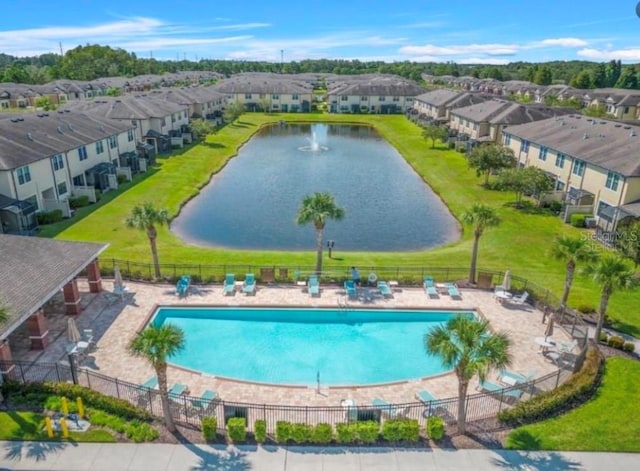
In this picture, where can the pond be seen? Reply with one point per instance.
(252, 203)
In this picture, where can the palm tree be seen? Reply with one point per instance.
(481, 217)
(317, 208)
(611, 273)
(468, 346)
(4, 313)
(156, 344)
(146, 217)
(571, 250)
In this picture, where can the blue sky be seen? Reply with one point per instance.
(473, 31)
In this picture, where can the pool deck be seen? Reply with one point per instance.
(115, 321)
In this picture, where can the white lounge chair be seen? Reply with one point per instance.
(519, 299)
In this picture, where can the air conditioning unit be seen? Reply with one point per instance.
(590, 223)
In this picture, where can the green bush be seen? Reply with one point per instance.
(603, 337)
(140, 432)
(577, 220)
(346, 433)
(209, 429)
(435, 428)
(586, 309)
(578, 388)
(629, 347)
(615, 341)
(135, 430)
(322, 434)
(78, 202)
(122, 179)
(301, 433)
(237, 429)
(368, 431)
(401, 430)
(260, 430)
(283, 431)
(49, 217)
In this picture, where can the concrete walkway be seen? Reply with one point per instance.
(151, 457)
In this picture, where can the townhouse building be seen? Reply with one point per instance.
(436, 105)
(203, 102)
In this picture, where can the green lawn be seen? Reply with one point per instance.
(519, 244)
(606, 423)
(30, 426)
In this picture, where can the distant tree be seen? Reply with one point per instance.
(628, 79)
(202, 128)
(582, 80)
(529, 180)
(113, 91)
(233, 111)
(628, 241)
(489, 158)
(265, 104)
(433, 132)
(613, 68)
(44, 102)
(146, 217)
(543, 76)
(4, 313)
(317, 209)
(600, 76)
(597, 111)
(480, 217)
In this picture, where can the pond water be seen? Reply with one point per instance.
(252, 203)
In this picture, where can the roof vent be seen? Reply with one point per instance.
(70, 127)
(632, 133)
(626, 127)
(14, 120)
(585, 136)
(20, 119)
(60, 129)
(29, 136)
(617, 125)
(67, 111)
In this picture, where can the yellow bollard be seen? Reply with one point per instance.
(49, 426)
(80, 407)
(63, 426)
(65, 406)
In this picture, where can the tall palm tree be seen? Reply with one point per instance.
(145, 217)
(317, 209)
(571, 250)
(156, 345)
(468, 346)
(611, 273)
(4, 313)
(481, 217)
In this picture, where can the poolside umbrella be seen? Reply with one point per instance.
(506, 282)
(117, 278)
(549, 331)
(73, 334)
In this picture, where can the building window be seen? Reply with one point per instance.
(62, 188)
(560, 158)
(24, 176)
(275, 97)
(364, 98)
(78, 180)
(344, 98)
(543, 154)
(612, 181)
(604, 210)
(396, 98)
(507, 139)
(560, 185)
(524, 146)
(82, 153)
(247, 96)
(163, 122)
(113, 142)
(295, 97)
(578, 167)
(58, 162)
(99, 147)
(382, 98)
(130, 135)
(173, 118)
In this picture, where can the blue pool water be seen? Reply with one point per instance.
(291, 346)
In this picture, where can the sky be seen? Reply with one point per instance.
(469, 31)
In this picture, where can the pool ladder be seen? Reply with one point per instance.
(343, 304)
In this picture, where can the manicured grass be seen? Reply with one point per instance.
(30, 426)
(519, 244)
(606, 423)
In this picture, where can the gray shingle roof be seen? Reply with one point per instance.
(139, 106)
(187, 96)
(263, 84)
(507, 112)
(29, 137)
(33, 269)
(606, 144)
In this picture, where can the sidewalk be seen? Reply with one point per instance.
(148, 457)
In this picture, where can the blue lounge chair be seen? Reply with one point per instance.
(151, 383)
(182, 288)
(205, 400)
(249, 285)
(453, 291)
(430, 287)
(425, 396)
(387, 408)
(229, 284)
(350, 288)
(492, 387)
(314, 285)
(178, 388)
(384, 289)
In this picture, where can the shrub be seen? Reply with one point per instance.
(78, 202)
(260, 430)
(237, 429)
(322, 434)
(49, 217)
(401, 430)
(283, 431)
(546, 404)
(603, 337)
(122, 179)
(346, 433)
(209, 429)
(301, 433)
(615, 341)
(629, 347)
(577, 220)
(135, 430)
(586, 309)
(368, 431)
(555, 207)
(435, 428)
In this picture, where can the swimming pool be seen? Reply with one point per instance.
(294, 346)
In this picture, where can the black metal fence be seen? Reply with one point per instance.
(191, 410)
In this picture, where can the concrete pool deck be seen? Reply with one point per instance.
(115, 321)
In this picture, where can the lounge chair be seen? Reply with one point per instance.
(313, 285)
(519, 299)
(249, 285)
(568, 347)
(384, 289)
(387, 408)
(229, 284)
(204, 401)
(512, 378)
(430, 287)
(350, 288)
(351, 410)
(453, 291)
(425, 396)
(178, 388)
(151, 383)
(489, 386)
(182, 288)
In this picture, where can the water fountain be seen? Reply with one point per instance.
(314, 144)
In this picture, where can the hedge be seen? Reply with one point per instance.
(260, 430)
(49, 217)
(79, 202)
(397, 430)
(237, 429)
(578, 388)
(435, 428)
(209, 428)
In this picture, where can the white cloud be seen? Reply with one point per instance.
(483, 60)
(433, 50)
(630, 54)
(562, 42)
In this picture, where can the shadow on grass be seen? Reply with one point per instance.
(523, 460)
(527, 207)
(626, 328)
(37, 451)
(214, 145)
